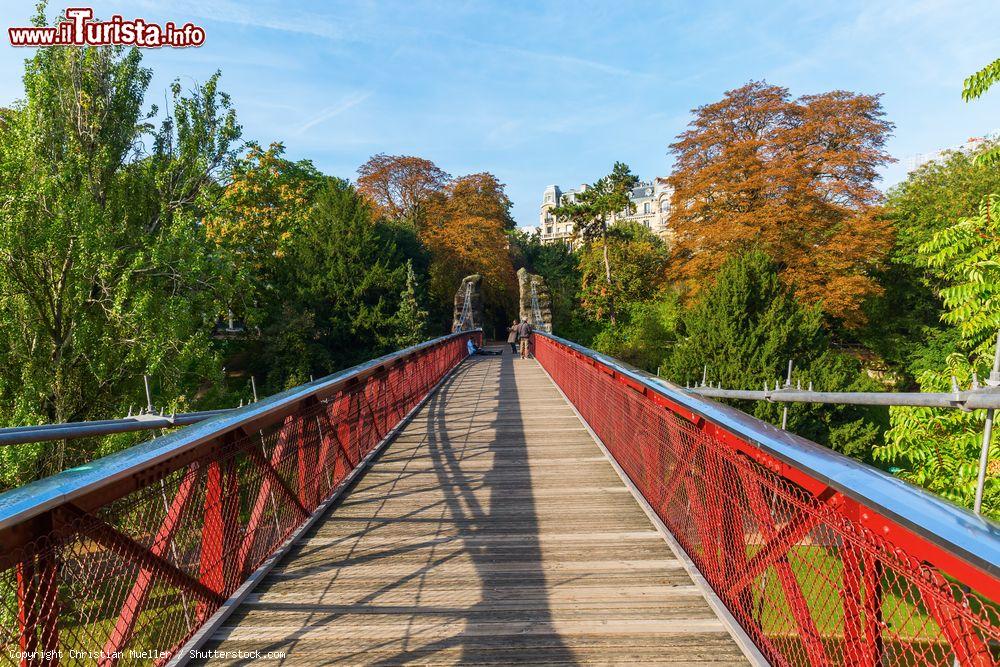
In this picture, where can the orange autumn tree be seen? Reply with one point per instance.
(465, 231)
(399, 186)
(795, 178)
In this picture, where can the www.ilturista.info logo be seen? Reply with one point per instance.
(78, 28)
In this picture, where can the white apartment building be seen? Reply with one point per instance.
(651, 200)
(973, 144)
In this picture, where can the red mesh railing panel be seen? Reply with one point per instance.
(130, 581)
(792, 559)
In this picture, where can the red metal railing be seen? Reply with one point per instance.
(820, 559)
(121, 562)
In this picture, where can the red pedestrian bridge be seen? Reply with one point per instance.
(431, 507)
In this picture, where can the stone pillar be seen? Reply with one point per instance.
(525, 282)
(472, 284)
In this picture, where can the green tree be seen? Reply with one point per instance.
(341, 281)
(976, 85)
(410, 320)
(105, 273)
(963, 257)
(939, 449)
(593, 209)
(905, 327)
(746, 327)
(645, 334)
(936, 448)
(559, 265)
(640, 257)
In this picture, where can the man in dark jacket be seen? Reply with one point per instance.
(524, 336)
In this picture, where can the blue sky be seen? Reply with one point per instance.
(555, 92)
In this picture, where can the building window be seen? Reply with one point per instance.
(665, 206)
(646, 208)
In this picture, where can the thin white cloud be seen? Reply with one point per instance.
(326, 114)
(559, 59)
(281, 18)
(356, 27)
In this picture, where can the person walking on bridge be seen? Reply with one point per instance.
(512, 337)
(524, 336)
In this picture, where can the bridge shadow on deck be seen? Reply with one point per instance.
(492, 512)
(442, 553)
(483, 397)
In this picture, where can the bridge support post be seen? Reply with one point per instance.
(778, 557)
(38, 608)
(861, 592)
(48, 574)
(302, 456)
(135, 603)
(27, 615)
(218, 532)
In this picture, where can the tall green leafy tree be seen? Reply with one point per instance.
(938, 449)
(645, 333)
(341, 280)
(592, 211)
(640, 258)
(410, 320)
(905, 328)
(104, 270)
(976, 85)
(745, 328)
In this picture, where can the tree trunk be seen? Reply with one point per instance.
(607, 271)
(607, 264)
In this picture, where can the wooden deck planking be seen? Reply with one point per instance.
(492, 530)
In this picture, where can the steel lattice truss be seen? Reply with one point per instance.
(812, 575)
(820, 560)
(145, 560)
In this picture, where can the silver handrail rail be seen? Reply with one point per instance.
(20, 435)
(34, 498)
(973, 538)
(972, 399)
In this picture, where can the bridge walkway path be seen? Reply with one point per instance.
(492, 530)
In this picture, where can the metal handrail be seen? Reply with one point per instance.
(20, 435)
(25, 502)
(973, 538)
(973, 399)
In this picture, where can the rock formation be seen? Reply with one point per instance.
(526, 281)
(474, 318)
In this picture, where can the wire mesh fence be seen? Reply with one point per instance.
(801, 565)
(127, 573)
